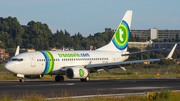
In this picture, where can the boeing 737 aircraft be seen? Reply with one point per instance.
(77, 64)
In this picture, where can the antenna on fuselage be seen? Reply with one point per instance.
(17, 51)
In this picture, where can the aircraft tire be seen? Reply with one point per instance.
(86, 79)
(59, 78)
(21, 80)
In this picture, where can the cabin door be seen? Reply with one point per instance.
(33, 61)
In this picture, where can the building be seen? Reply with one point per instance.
(141, 45)
(2, 50)
(166, 45)
(4, 55)
(146, 34)
(168, 34)
(109, 29)
(30, 50)
(90, 47)
(61, 49)
(153, 33)
(55, 49)
(153, 45)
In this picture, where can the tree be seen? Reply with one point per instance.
(166, 62)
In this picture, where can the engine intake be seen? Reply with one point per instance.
(76, 73)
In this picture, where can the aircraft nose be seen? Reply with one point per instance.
(9, 66)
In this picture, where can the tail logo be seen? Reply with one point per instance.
(120, 39)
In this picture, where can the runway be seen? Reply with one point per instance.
(93, 87)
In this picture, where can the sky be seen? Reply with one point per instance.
(92, 16)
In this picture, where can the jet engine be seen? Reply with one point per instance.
(76, 73)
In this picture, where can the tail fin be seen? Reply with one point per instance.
(121, 36)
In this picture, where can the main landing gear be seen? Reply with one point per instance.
(21, 80)
(59, 78)
(86, 79)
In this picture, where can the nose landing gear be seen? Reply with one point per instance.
(21, 80)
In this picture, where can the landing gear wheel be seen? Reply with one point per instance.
(86, 79)
(21, 80)
(59, 78)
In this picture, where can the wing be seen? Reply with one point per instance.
(107, 66)
(141, 52)
(121, 63)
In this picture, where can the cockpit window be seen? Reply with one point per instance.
(15, 59)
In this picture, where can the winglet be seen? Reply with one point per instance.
(17, 51)
(172, 51)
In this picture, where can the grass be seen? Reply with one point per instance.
(172, 96)
(116, 74)
(2, 69)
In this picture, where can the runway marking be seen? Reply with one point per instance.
(60, 84)
(140, 88)
(135, 88)
(102, 95)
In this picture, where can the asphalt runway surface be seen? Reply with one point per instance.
(93, 87)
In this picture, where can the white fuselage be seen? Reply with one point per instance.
(37, 63)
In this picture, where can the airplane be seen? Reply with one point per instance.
(77, 64)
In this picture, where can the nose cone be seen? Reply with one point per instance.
(10, 66)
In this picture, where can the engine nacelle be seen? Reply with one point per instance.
(76, 73)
